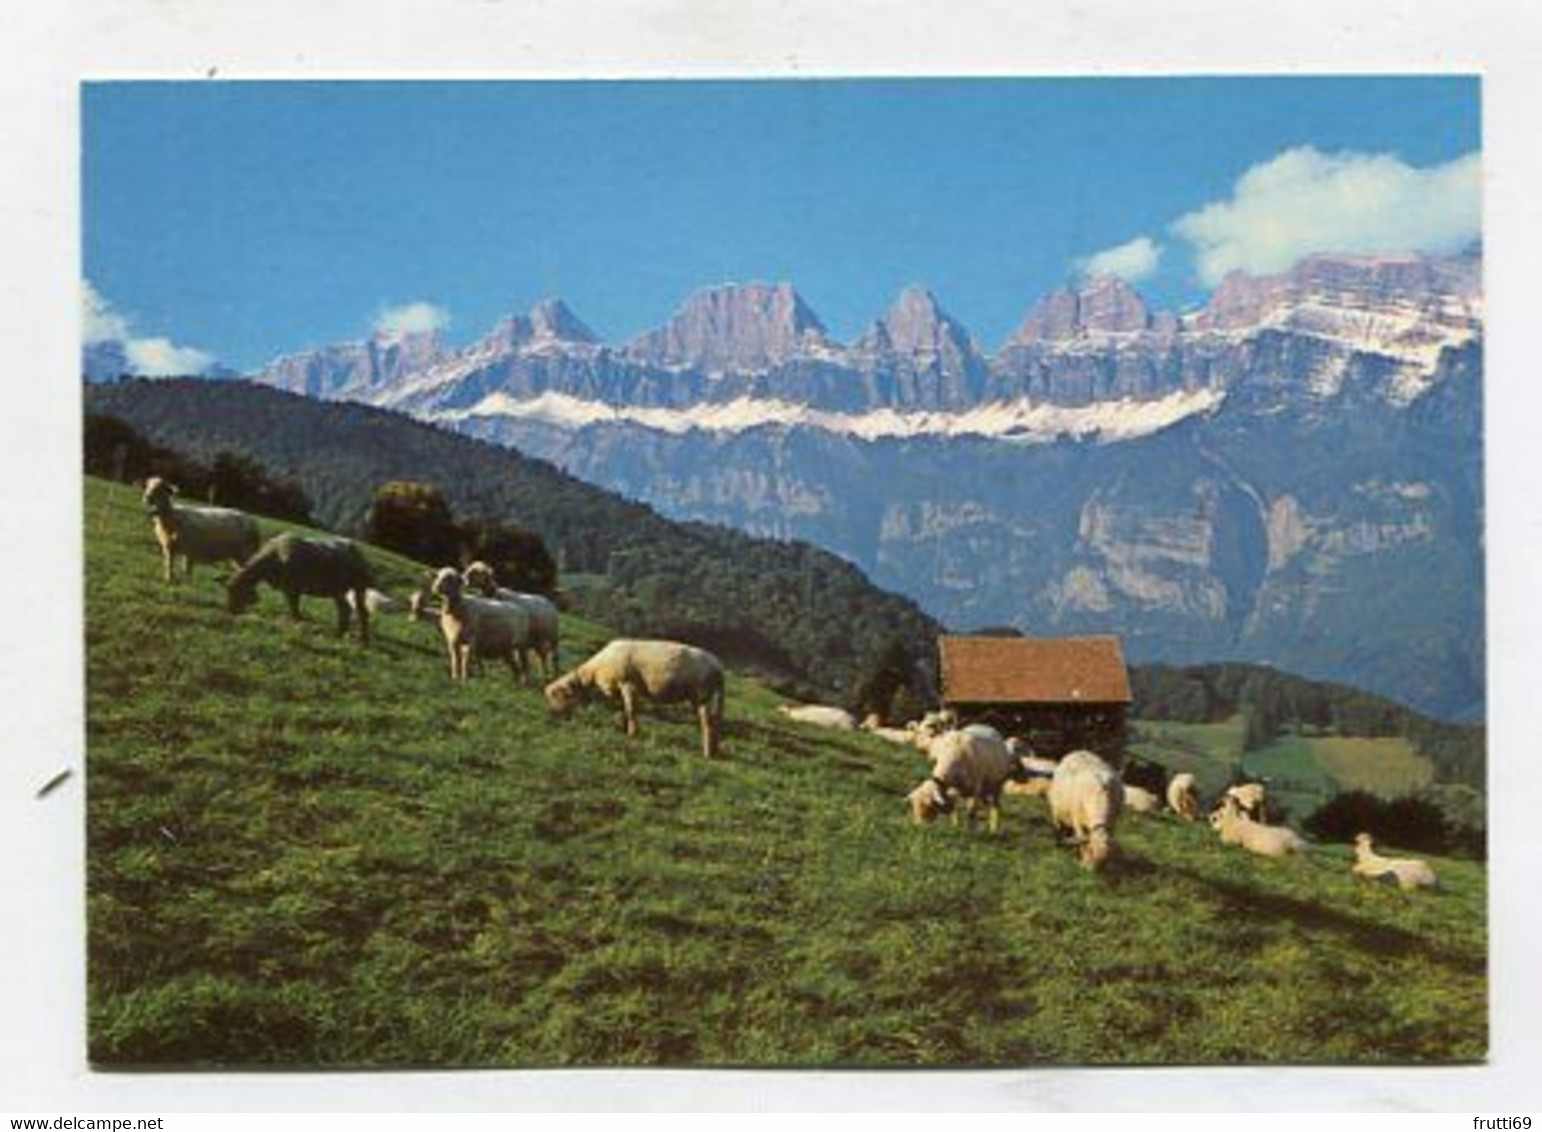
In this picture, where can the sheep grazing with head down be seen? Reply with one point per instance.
(966, 766)
(307, 566)
(1236, 828)
(197, 534)
(661, 671)
(475, 628)
(819, 715)
(1408, 872)
(1183, 796)
(1085, 797)
(545, 626)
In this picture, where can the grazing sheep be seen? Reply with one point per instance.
(1250, 798)
(476, 628)
(873, 725)
(307, 566)
(1236, 828)
(1407, 871)
(974, 767)
(545, 626)
(1085, 796)
(662, 671)
(837, 719)
(1139, 800)
(197, 534)
(1183, 796)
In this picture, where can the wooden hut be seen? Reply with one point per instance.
(1060, 694)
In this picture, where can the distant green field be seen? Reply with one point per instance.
(1303, 770)
(305, 853)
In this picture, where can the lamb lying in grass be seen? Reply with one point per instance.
(1250, 797)
(307, 566)
(1407, 871)
(1085, 797)
(1236, 828)
(873, 725)
(1183, 796)
(476, 628)
(197, 534)
(662, 671)
(969, 766)
(1139, 800)
(837, 719)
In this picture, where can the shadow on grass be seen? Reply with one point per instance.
(1253, 904)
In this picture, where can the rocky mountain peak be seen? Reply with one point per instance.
(1104, 304)
(553, 319)
(735, 326)
(916, 322)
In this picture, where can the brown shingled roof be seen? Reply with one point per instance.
(1033, 670)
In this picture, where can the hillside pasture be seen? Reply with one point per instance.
(302, 852)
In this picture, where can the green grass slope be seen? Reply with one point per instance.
(1303, 770)
(306, 853)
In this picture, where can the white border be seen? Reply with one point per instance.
(48, 47)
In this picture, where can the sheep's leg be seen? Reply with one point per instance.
(292, 599)
(708, 730)
(629, 709)
(454, 651)
(187, 568)
(363, 616)
(342, 615)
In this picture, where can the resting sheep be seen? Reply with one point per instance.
(545, 626)
(197, 534)
(375, 601)
(1183, 796)
(1139, 800)
(974, 767)
(662, 671)
(1407, 871)
(476, 628)
(873, 725)
(837, 719)
(1034, 773)
(307, 566)
(1236, 828)
(1250, 798)
(1085, 797)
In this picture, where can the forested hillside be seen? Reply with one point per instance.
(798, 613)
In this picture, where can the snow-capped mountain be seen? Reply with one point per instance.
(1290, 473)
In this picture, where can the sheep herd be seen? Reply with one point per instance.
(971, 765)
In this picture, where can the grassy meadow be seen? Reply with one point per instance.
(305, 853)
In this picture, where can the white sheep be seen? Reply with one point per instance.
(375, 601)
(1409, 872)
(873, 725)
(1034, 774)
(837, 719)
(973, 767)
(1085, 796)
(662, 671)
(1250, 798)
(545, 625)
(1183, 796)
(197, 534)
(1236, 828)
(474, 627)
(1139, 800)
(931, 725)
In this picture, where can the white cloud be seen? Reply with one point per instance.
(411, 318)
(101, 324)
(1132, 261)
(160, 357)
(1303, 201)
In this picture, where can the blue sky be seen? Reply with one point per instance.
(249, 219)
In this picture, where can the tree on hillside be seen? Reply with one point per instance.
(414, 519)
(518, 557)
(888, 671)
